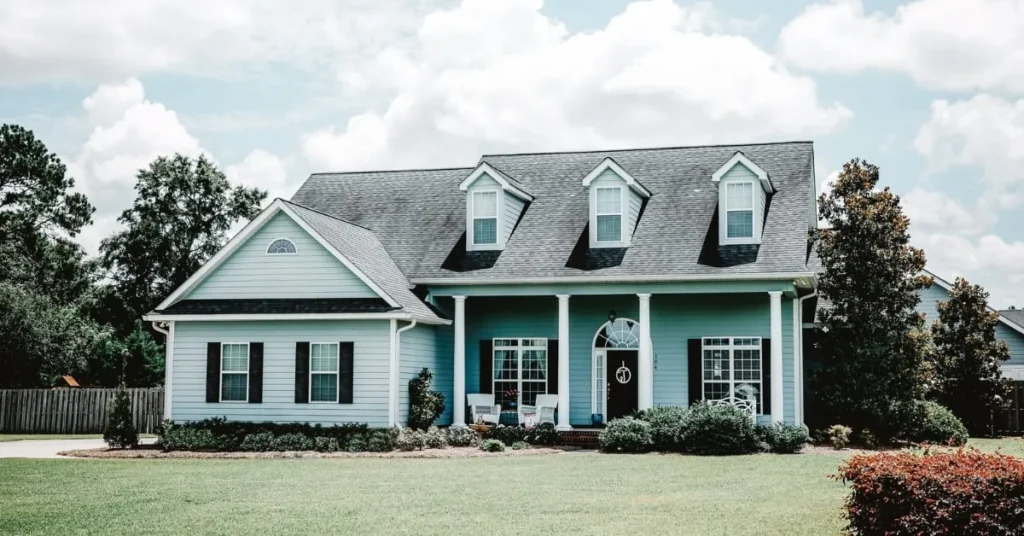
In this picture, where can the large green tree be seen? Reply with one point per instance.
(182, 212)
(966, 358)
(872, 339)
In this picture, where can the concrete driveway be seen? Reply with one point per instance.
(48, 448)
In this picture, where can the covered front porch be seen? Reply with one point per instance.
(607, 350)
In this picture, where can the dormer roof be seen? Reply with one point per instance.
(507, 183)
(610, 163)
(741, 159)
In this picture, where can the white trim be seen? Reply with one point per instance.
(499, 220)
(623, 240)
(295, 316)
(740, 158)
(608, 163)
(337, 374)
(948, 287)
(1013, 372)
(563, 364)
(780, 276)
(724, 209)
(220, 378)
(243, 235)
(168, 364)
(459, 364)
(393, 400)
(778, 408)
(485, 168)
(289, 240)
(799, 355)
(597, 403)
(731, 347)
(645, 357)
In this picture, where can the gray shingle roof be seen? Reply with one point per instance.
(1013, 315)
(362, 247)
(419, 215)
(278, 306)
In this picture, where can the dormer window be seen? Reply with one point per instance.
(615, 201)
(743, 190)
(485, 218)
(494, 203)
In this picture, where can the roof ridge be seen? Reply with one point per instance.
(322, 213)
(664, 148)
(360, 172)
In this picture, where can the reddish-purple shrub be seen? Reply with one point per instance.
(961, 492)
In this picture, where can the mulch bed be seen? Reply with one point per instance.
(455, 452)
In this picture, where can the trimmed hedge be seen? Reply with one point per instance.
(783, 438)
(626, 435)
(219, 434)
(666, 422)
(962, 492)
(718, 430)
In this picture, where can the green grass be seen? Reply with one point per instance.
(569, 493)
(33, 437)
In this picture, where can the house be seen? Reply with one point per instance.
(617, 280)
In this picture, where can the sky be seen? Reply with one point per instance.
(931, 91)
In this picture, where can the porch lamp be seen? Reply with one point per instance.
(611, 316)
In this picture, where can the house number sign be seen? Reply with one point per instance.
(623, 374)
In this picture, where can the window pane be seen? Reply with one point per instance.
(485, 231)
(740, 224)
(531, 390)
(535, 365)
(323, 358)
(506, 366)
(609, 228)
(323, 388)
(716, 365)
(485, 204)
(234, 358)
(500, 390)
(609, 200)
(747, 364)
(715, 390)
(281, 246)
(740, 195)
(234, 387)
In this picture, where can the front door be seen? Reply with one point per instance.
(622, 383)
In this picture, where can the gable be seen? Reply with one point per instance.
(313, 272)
(930, 307)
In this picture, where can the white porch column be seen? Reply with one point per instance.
(646, 362)
(459, 387)
(775, 297)
(563, 362)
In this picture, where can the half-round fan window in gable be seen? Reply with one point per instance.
(281, 246)
(621, 333)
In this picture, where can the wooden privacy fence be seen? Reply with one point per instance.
(74, 411)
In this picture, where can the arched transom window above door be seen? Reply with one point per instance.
(618, 333)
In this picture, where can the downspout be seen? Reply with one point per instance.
(168, 363)
(396, 361)
(798, 365)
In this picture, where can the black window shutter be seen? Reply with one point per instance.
(301, 372)
(255, 372)
(694, 368)
(766, 376)
(486, 366)
(552, 366)
(346, 354)
(213, 372)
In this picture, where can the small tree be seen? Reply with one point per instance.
(872, 340)
(967, 357)
(120, 432)
(425, 406)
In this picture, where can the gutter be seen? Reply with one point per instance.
(157, 317)
(798, 362)
(394, 368)
(781, 276)
(168, 363)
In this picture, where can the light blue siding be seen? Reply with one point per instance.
(311, 273)
(419, 350)
(633, 212)
(372, 347)
(513, 208)
(930, 307)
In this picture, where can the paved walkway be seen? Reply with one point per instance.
(48, 448)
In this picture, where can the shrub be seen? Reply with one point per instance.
(293, 442)
(425, 406)
(962, 492)
(718, 430)
(380, 440)
(177, 438)
(326, 444)
(626, 435)
(409, 439)
(543, 434)
(783, 438)
(507, 434)
(839, 436)
(666, 423)
(230, 434)
(259, 442)
(435, 438)
(120, 431)
(462, 437)
(520, 445)
(820, 437)
(934, 423)
(492, 445)
(868, 439)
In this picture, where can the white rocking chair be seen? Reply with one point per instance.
(482, 408)
(544, 408)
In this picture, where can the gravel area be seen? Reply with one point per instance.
(461, 452)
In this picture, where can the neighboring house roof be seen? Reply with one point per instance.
(419, 215)
(1014, 315)
(279, 306)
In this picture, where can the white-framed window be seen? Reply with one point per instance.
(323, 372)
(739, 210)
(234, 372)
(520, 371)
(600, 395)
(608, 214)
(282, 246)
(485, 218)
(731, 367)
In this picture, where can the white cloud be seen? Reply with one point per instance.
(56, 40)
(987, 260)
(942, 44)
(263, 170)
(494, 75)
(931, 210)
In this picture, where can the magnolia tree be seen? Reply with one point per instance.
(872, 339)
(966, 358)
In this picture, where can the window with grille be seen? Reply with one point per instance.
(731, 367)
(609, 214)
(485, 218)
(739, 209)
(520, 370)
(234, 372)
(281, 246)
(323, 372)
